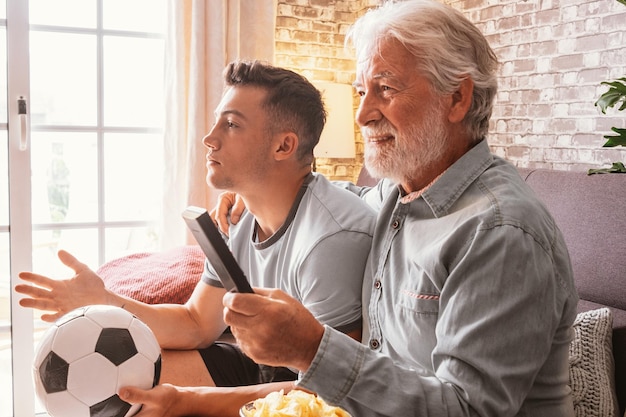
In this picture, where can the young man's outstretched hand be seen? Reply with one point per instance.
(62, 296)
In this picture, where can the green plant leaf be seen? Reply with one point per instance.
(615, 94)
(615, 140)
(616, 168)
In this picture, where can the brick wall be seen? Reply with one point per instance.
(553, 55)
(310, 38)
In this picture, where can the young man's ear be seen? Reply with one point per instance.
(286, 146)
(461, 101)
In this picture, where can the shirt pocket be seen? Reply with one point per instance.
(419, 301)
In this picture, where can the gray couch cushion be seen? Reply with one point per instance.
(589, 210)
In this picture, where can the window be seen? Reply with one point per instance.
(93, 87)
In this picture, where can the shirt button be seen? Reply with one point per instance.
(377, 284)
(374, 344)
(395, 224)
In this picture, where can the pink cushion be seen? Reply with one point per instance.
(155, 277)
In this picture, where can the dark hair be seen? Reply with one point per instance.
(292, 102)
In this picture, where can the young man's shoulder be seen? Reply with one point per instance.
(330, 193)
(326, 201)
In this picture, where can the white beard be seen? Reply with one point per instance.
(410, 153)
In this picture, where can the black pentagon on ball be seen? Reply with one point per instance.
(53, 371)
(157, 372)
(116, 345)
(111, 407)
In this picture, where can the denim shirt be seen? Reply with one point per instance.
(468, 301)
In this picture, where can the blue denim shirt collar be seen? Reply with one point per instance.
(447, 189)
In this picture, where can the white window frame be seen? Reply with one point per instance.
(20, 210)
(20, 220)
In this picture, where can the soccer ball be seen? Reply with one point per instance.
(87, 355)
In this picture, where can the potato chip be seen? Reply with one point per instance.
(296, 403)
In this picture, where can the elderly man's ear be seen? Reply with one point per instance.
(461, 101)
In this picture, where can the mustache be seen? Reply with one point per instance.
(382, 128)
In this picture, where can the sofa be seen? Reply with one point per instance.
(589, 209)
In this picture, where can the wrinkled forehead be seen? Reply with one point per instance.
(388, 56)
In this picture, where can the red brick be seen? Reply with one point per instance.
(567, 62)
(592, 43)
(547, 17)
(508, 23)
(523, 65)
(543, 48)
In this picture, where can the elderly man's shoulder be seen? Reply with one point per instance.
(512, 201)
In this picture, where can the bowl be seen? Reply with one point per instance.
(246, 407)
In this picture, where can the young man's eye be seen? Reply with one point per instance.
(230, 124)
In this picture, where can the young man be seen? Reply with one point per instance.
(300, 234)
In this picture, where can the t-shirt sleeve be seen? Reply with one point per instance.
(373, 196)
(331, 278)
(209, 276)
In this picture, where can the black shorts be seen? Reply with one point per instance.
(230, 367)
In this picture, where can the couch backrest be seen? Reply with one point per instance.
(590, 211)
(365, 180)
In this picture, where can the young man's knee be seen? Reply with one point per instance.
(184, 368)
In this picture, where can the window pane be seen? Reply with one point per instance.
(64, 177)
(3, 75)
(57, 13)
(131, 15)
(133, 74)
(6, 390)
(63, 78)
(4, 179)
(125, 241)
(132, 193)
(82, 243)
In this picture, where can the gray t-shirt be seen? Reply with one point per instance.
(318, 255)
